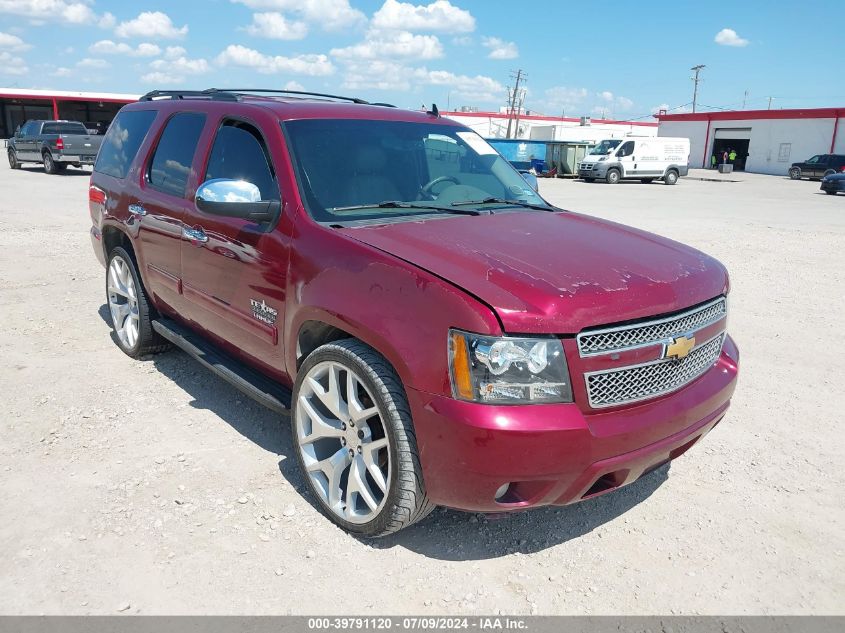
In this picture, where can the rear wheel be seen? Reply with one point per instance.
(671, 177)
(355, 440)
(613, 176)
(131, 313)
(13, 160)
(795, 173)
(50, 166)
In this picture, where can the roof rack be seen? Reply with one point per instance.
(189, 94)
(286, 92)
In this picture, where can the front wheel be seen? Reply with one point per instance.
(795, 173)
(613, 176)
(355, 440)
(671, 177)
(830, 193)
(829, 172)
(13, 160)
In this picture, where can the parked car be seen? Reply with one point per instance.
(818, 166)
(833, 183)
(643, 159)
(438, 333)
(55, 144)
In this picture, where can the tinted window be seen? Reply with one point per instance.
(63, 128)
(28, 128)
(815, 159)
(627, 149)
(122, 141)
(239, 153)
(174, 154)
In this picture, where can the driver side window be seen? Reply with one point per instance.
(239, 153)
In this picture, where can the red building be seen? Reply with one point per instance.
(95, 109)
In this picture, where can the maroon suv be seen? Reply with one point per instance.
(440, 334)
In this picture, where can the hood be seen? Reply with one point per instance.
(554, 273)
(594, 158)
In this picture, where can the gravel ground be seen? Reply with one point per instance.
(153, 487)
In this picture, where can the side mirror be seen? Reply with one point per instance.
(531, 179)
(235, 199)
(18, 132)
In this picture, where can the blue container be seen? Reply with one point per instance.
(521, 153)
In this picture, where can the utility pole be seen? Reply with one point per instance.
(770, 102)
(695, 79)
(517, 77)
(744, 98)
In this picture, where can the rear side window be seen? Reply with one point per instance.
(239, 153)
(174, 154)
(64, 128)
(626, 150)
(122, 141)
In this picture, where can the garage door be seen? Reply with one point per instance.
(734, 133)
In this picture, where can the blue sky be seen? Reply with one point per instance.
(619, 60)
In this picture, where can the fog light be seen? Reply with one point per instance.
(502, 491)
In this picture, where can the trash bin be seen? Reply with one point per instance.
(725, 168)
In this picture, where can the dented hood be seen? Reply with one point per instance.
(554, 273)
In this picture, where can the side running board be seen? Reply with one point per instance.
(258, 387)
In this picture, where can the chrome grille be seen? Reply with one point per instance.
(639, 382)
(652, 332)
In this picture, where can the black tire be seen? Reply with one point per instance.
(830, 193)
(795, 173)
(830, 172)
(148, 341)
(646, 181)
(406, 500)
(50, 166)
(589, 179)
(671, 177)
(13, 160)
(613, 176)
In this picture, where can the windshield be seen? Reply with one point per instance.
(64, 128)
(604, 148)
(346, 168)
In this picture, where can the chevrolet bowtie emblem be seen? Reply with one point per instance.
(679, 348)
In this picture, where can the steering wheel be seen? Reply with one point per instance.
(426, 188)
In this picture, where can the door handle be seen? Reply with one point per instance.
(196, 235)
(137, 209)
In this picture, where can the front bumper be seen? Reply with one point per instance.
(833, 185)
(557, 454)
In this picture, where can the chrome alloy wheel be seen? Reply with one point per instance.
(123, 302)
(343, 443)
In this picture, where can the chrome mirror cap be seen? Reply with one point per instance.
(225, 190)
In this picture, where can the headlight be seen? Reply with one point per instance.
(508, 370)
(603, 158)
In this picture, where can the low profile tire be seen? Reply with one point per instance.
(354, 440)
(646, 181)
(131, 313)
(671, 177)
(613, 176)
(13, 160)
(50, 166)
(795, 173)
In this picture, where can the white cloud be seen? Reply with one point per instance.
(50, 10)
(174, 70)
(616, 103)
(293, 85)
(11, 42)
(729, 37)
(172, 52)
(62, 71)
(108, 47)
(276, 26)
(376, 75)
(331, 15)
(90, 62)
(500, 49)
(440, 15)
(151, 24)
(107, 21)
(478, 88)
(161, 78)
(606, 96)
(11, 65)
(562, 99)
(669, 109)
(243, 57)
(391, 45)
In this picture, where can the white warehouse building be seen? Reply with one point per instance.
(765, 141)
(547, 128)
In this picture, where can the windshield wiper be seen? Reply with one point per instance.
(396, 204)
(516, 203)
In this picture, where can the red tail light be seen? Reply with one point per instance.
(60, 144)
(96, 195)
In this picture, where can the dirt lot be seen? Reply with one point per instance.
(154, 487)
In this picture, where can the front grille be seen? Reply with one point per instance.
(624, 337)
(640, 382)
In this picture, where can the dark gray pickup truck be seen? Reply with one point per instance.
(55, 144)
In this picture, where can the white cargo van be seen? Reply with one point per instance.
(642, 158)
